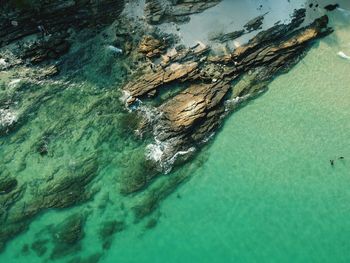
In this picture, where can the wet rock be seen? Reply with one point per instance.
(160, 77)
(42, 148)
(228, 36)
(151, 46)
(63, 190)
(144, 171)
(184, 66)
(255, 23)
(158, 11)
(49, 17)
(7, 184)
(188, 118)
(39, 247)
(49, 48)
(71, 189)
(331, 7)
(67, 236)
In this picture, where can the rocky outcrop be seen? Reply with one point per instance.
(228, 36)
(43, 49)
(255, 23)
(188, 118)
(23, 18)
(151, 46)
(157, 11)
(180, 66)
(62, 191)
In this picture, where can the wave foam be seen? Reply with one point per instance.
(7, 117)
(159, 152)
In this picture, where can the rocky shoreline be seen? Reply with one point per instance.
(174, 97)
(187, 119)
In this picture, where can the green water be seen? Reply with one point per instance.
(263, 191)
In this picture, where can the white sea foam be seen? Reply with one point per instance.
(115, 49)
(14, 83)
(155, 151)
(7, 117)
(343, 55)
(151, 114)
(344, 11)
(125, 96)
(158, 152)
(229, 104)
(3, 63)
(207, 139)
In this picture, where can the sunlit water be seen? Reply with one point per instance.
(263, 191)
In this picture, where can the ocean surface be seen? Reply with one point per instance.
(263, 190)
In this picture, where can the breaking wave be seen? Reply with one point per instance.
(161, 153)
(7, 117)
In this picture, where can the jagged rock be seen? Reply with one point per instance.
(50, 48)
(184, 66)
(48, 17)
(228, 36)
(331, 7)
(157, 11)
(151, 46)
(255, 23)
(189, 117)
(151, 81)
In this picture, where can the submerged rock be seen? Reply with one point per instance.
(159, 11)
(49, 17)
(108, 230)
(7, 184)
(228, 36)
(331, 7)
(48, 48)
(255, 23)
(40, 247)
(67, 236)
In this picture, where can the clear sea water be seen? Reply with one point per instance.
(262, 191)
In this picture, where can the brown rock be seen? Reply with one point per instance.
(151, 46)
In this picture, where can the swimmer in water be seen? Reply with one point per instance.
(332, 162)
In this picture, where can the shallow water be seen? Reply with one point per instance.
(267, 192)
(262, 191)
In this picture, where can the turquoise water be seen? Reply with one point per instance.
(267, 192)
(262, 191)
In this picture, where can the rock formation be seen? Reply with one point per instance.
(23, 18)
(203, 87)
(158, 11)
(187, 119)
